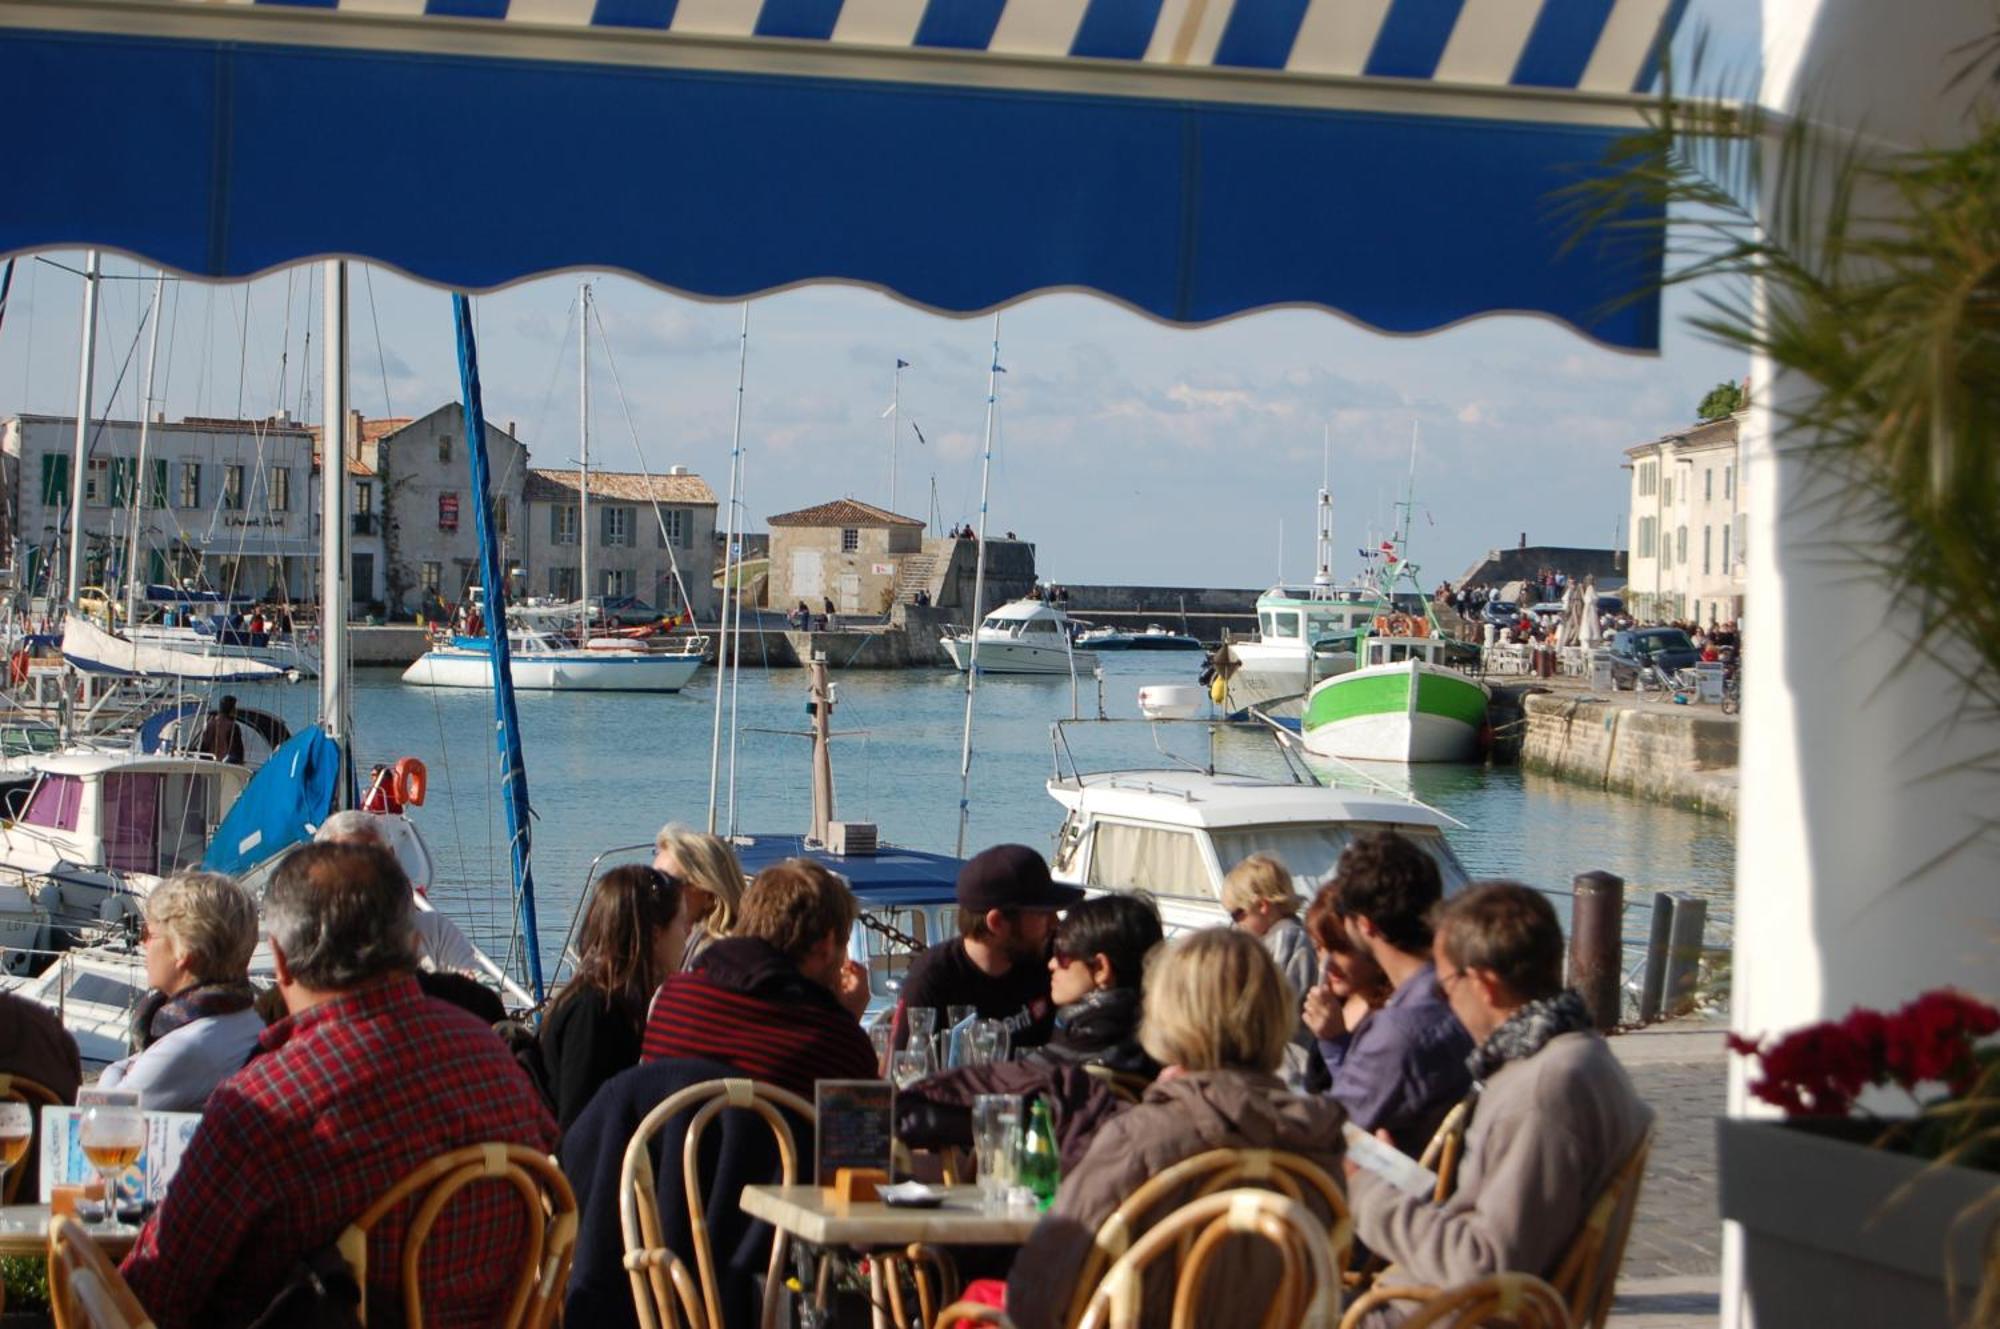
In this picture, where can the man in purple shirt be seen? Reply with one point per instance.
(1402, 1067)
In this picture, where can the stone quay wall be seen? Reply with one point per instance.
(1671, 754)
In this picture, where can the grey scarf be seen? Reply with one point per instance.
(1527, 1031)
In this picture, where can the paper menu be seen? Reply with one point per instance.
(1386, 1161)
(63, 1163)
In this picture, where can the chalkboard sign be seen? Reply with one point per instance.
(856, 1126)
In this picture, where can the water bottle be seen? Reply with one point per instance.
(1040, 1166)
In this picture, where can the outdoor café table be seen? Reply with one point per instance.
(804, 1213)
(24, 1230)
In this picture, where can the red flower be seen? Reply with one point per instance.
(1820, 1070)
(1931, 1038)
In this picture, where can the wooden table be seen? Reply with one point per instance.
(805, 1214)
(24, 1230)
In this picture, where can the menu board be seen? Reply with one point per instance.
(63, 1163)
(856, 1126)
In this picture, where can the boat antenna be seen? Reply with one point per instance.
(93, 264)
(731, 572)
(139, 486)
(978, 595)
(1323, 537)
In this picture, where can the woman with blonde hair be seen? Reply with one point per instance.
(1259, 896)
(1217, 1016)
(196, 1026)
(707, 868)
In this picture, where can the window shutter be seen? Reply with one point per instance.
(55, 479)
(158, 498)
(555, 523)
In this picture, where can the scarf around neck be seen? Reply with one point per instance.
(1529, 1030)
(158, 1015)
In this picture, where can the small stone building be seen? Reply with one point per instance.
(641, 528)
(429, 546)
(846, 551)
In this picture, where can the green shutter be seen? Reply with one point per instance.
(116, 470)
(55, 480)
(158, 498)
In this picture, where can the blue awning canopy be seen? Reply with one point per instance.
(1392, 160)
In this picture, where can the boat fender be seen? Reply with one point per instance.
(1218, 689)
(411, 781)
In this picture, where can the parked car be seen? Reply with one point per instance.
(1643, 650)
(1500, 613)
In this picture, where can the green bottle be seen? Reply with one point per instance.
(1041, 1166)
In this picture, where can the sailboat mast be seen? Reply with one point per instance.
(731, 571)
(583, 451)
(85, 373)
(895, 430)
(139, 467)
(978, 595)
(333, 510)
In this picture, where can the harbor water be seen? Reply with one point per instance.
(606, 770)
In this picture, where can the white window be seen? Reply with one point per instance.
(1287, 626)
(1649, 478)
(432, 577)
(1729, 482)
(1668, 496)
(563, 521)
(97, 482)
(1165, 862)
(281, 489)
(1708, 484)
(1707, 543)
(674, 526)
(190, 484)
(1725, 549)
(1681, 545)
(1649, 537)
(562, 582)
(850, 541)
(232, 488)
(364, 499)
(617, 528)
(617, 582)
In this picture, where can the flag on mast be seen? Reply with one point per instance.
(902, 363)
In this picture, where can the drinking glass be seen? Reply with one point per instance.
(17, 1123)
(958, 1015)
(956, 1052)
(923, 1023)
(910, 1065)
(996, 1136)
(989, 1042)
(113, 1138)
(881, 1035)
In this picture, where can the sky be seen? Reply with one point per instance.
(1129, 451)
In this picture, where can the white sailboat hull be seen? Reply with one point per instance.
(1017, 657)
(570, 671)
(91, 648)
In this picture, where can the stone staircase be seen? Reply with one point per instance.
(913, 574)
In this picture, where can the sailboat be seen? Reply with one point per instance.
(543, 660)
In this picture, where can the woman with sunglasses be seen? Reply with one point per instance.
(1094, 976)
(631, 939)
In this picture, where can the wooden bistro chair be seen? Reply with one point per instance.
(665, 1294)
(1521, 1301)
(1306, 1295)
(86, 1291)
(546, 1201)
(1290, 1175)
(20, 1089)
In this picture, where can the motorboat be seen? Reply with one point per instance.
(1153, 638)
(1304, 634)
(1404, 703)
(547, 662)
(1020, 637)
(1175, 831)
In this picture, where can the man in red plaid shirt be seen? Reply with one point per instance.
(366, 1080)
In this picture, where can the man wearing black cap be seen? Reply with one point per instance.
(999, 961)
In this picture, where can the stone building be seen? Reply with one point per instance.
(846, 551)
(1687, 524)
(641, 529)
(226, 504)
(421, 499)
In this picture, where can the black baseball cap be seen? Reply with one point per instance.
(1011, 876)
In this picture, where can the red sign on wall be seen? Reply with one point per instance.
(447, 512)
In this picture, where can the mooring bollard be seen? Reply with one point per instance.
(1684, 952)
(1657, 943)
(1596, 944)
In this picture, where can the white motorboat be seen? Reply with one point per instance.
(1176, 831)
(1405, 703)
(1021, 637)
(544, 662)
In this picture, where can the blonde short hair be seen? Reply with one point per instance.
(1214, 999)
(708, 862)
(210, 919)
(1260, 877)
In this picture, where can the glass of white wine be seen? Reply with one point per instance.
(17, 1126)
(113, 1137)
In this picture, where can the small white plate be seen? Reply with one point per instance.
(913, 1195)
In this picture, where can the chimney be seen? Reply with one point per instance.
(353, 448)
(511, 430)
(677, 470)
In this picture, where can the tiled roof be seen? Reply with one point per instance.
(545, 486)
(360, 470)
(1707, 434)
(842, 512)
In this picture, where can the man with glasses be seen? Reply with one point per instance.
(1402, 1068)
(1556, 1117)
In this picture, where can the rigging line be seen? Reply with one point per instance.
(306, 364)
(555, 371)
(659, 514)
(102, 276)
(285, 340)
(205, 383)
(381, 356)
(242, 349)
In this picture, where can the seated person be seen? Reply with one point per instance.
(1402, 1069)
(778, 999)
(707, 869)
(34, 1045)
(1260, 898)
(1217, 1016)
(1349, 977)
(1557, 1115)
(440, 944)
(631, 939)
(361, 1083)
(196, 1026)
(1007, 907)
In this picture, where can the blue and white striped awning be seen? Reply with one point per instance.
(1394, 160)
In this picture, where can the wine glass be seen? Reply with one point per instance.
(909, 1066)
(17, 1125)
(113, 1137)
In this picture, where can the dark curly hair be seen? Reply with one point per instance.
(1389, 881)
(1120, 927)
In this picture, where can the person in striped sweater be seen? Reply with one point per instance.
(778, 999)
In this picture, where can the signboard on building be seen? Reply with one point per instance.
(447, 512)
(883, 569)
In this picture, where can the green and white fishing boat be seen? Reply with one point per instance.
(1405, 700)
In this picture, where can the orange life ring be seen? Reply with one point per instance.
(1399, 625)
(411, 782)
(17, 667)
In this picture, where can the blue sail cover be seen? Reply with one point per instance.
(1392, 160)
(284, 803)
